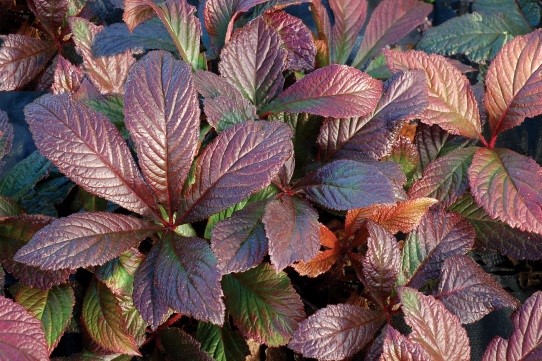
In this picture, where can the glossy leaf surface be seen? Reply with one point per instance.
(349, 18)
(67, 77)
(399, 348)
(222, 343)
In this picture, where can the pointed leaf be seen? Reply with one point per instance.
(336, 332)
(399, 348)
(21, 59)
(86, 147)
(349, 18)
(188, 279)
(513, 83)
(240, 161)
(52, 307)
(84, 239)
(222, 343)
(508, 185)
(469, 292)
(253, 62)
(323, 260)
(333, 91)
(433, 327)
(525, 343)
(390, 21)
(452, 104)
(263, 304)
(22, 337)
(291, 225)
(67, 77)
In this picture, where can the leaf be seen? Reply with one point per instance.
(390, 22)
(118, 274)
(6, 135)
(439, 235)
(513, 11)
(188, 279)
(291, 225)
(403, 216)
(507, 185)
(496, 350)
(253, 62)
(452, 104)
(240, 242)
(50, 13)
(445, 178)
(349, 18)
(17, 231)
(112, 106)
(405, 97)
(20, 179)
(137, 12)
(222, 343)
(324, 260)
(513, 83)
(336, 332)
(399, 348)
(263, 304)
(107, 73)
(478, 36)
(296, 39)
(162, 115)
(21, 59)
(65, 130)
(240, 161)
(104, 321)
(47, 194)
(469, 292)
(497, 235)
(67, 77)
(52, 307)
(346, 184)
(9, 207)
(433, 327)
(84, 239)
(22, 337)
(180, 346)
(335, 91)
(147, 299)
(405, 153)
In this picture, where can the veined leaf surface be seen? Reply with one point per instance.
(349, 18)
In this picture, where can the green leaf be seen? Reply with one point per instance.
(8, 207)
(112, 106)
(52, 307)
(24, 175)
(49, 192)
(508, 8)
(222, 343)
(263, 304)
(118, 274)
(180, 346)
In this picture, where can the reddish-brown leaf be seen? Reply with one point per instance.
(323, 260)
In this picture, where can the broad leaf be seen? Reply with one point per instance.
(397, 347)
(222, 343)
(162, 115)
(263, 304)
(496, 350)
(84, 239)
(390, 21)
(335, 91)
(17, 231)
(291, 225)
(103, 319)
(67, 77)
(188, 279)
(452, 104)
(240, 161)
(469, 292)
(347, 184)
(515, 12)
(47, 194)
(253, 61)
(24, 175)
(434, 328)
(137, 12)
(323, 260)
(86, 147)
(118, 274)
(50, 13)
(22, 337)
(349, 18)
(52, 307)
(513, 83)
(336, 332)
(21, 59)
(180, 346)
(508, 185)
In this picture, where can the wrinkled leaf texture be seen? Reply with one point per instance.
(6, 135)
(397, 347)
(67, 77)
(323, 260)
(222, 343)
(349, 16)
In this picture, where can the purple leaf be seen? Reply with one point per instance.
(507, 185)
(84, 239)
(399, 348)
(67, 77)
(6, 135)
(390, 21)
(291, 225)
(162, 115)
(296, 38)
(86, 147)
(50, 13)
(469, 292)
(333, 91)
(253, 62)
(324, 260)
(239, 242)
(211, 85)
(188, 279)
(349, 18)
(36, 277)
(22, 337)
(21, 59)
(336, 332)
(496, 350)
(240, 161)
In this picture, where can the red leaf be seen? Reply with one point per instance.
(349, 18)
(508, 186)
(513, 83)
(336, 332)
(67, 77)
(50, 13)
(21, 59)
(22, 337)
(137, 12)
(323, 260)
(291, 225)
(469, 292)
(399, 348)
(86, 147)
(84, 239)
(335, 91)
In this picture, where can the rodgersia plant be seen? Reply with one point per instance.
(239, 181)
